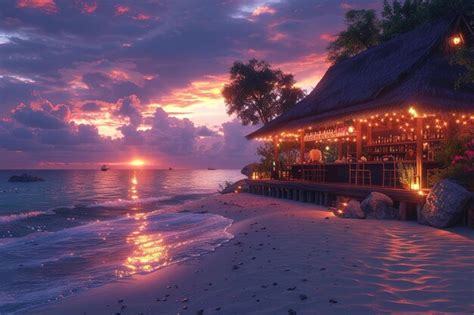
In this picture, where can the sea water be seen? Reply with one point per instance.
(81, 229)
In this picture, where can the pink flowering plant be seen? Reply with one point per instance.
(456, 162)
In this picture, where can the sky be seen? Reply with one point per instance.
(91, 82)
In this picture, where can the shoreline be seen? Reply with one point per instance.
(290, 257)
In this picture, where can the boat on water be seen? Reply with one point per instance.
(211, 169)
(104, 168)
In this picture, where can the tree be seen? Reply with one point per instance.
(363, 32)
(257, 93)
(398, 17)
(464, 57)
(288, 153)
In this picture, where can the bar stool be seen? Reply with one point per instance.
(389, 173)
(359, 174)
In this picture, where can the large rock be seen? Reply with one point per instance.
(379, 206)
(238, 186)
(353, 210)
(25, 178)
(444, 204)
(247, 170)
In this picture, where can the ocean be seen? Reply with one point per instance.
(84, 228)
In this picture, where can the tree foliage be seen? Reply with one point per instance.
(363, 32)
(257, 93)
(464, 57)
(288, 154)
(400, 17)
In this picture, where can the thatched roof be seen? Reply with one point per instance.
(410, 69)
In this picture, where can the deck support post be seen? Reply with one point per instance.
(402, 208)
(418, 212)
(419, 150)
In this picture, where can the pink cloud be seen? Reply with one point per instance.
(121, 9)
(327, 37)
(142, 17)
(278, 36)
(87, 7)
(48, 6)
(346, 6)
(263, 9)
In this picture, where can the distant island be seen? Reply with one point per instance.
(25, 178)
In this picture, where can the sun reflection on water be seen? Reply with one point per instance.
(149, 251)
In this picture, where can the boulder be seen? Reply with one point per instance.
(444, 204)
(238, 186)
(25, 178)
(353, 210)
(379, 206)
(248, 169)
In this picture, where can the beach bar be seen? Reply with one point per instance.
(375, 122)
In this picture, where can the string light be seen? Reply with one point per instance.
(342, 131)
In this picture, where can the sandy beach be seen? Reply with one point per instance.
(295, 258)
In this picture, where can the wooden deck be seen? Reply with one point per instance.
(327, 193)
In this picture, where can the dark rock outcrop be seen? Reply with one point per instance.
(238, 186)
(248, 169)
(444, 204)
(379, 206)
(353, 210)
(25, 178)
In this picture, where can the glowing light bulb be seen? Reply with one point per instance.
(456, 40)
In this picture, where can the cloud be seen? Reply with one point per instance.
(90, 107)
(121, 9)
(112, 64)
(263, 9)
(87, 7)
(130, 107)
(48, 6)
(327, 37)
(43, 115)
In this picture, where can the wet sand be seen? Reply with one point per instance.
(295, 258)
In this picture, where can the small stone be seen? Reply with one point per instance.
(303, 297)
(120, 301)
(235, 267)
(184, 300)
(291, 289)
(291, 312)
(332, 301)
(200, 312)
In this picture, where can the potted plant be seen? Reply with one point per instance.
(406, 174)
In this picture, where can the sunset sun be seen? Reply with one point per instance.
(137, 162)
